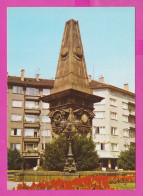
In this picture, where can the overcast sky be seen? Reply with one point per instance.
(108, 37)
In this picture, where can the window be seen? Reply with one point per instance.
(32, 91)
(35, 146)
(131, 119)
(126, 132)
(45, 105)
(31, 104)
(15, 146)
(46, 91)
(113, 102)
(46, 133)
(96, 130)
(98, 146)
(15, 132)
(113, 115)
(43, 146)
(16, 117)
(31, 118)
(131, 133)
(30, 132)
(102, 146)
(45, 118)
(30, 146)
(131, 108)
(114, 147)
(17, 89)
(16, 103)
(114, 131)
(126, 146)
(100, 130)
(124, 105)
(99, 114)
(125, 118)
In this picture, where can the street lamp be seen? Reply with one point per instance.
(69, 129)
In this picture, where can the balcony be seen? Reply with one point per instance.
(131, 104)
(108, 153)
(35, 124)
(131, 121)
(131, 112)
(31, 139)
(32, 97)
(131, 107)
(132, 144)
(132, 140)
(132, 125)
(30, 153)
(32, 110)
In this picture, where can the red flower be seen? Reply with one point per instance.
(87, 182)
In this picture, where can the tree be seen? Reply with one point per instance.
(84, 153)
(15, 160)
(126, 159)
(85, 156)
(55, 154)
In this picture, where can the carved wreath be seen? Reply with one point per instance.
(57, 118)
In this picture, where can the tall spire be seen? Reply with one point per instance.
(71, 69)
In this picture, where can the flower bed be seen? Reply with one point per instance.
(121, 179)
(84, 183)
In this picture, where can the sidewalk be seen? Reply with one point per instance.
(11, 184)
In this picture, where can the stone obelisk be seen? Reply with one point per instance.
(71, 100)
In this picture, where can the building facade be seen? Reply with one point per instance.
(29, 127)
(114, 122)
(28, 124)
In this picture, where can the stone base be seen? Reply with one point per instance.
(70, 165)
(39, 176)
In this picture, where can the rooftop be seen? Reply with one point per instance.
(47, 83)
(97, 85)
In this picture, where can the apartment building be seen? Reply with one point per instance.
(29, 126)
(114, 122)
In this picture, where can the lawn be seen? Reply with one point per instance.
(124, 186)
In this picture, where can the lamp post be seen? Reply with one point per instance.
(69, 129)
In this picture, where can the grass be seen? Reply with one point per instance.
(32, 171)
(124, 186)
(87, 172)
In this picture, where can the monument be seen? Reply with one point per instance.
(71, 100)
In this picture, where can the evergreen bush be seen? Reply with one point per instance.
(126, 159)
(15, 160)
(85, 156)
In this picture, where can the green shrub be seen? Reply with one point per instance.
(85, 156)
(126, 159)
(84, 152)
(15, 160)
(55, 154)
